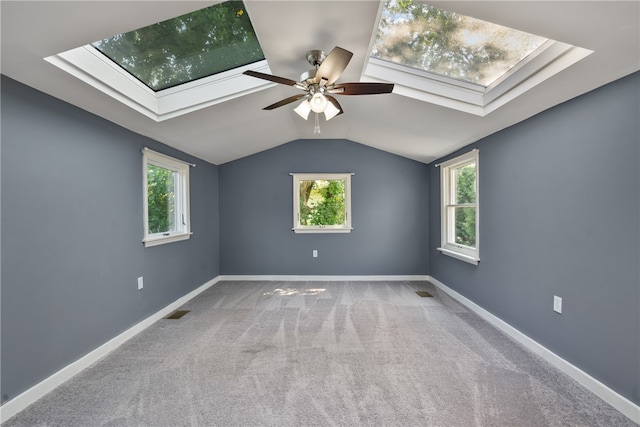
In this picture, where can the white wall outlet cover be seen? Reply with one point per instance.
(557, 304)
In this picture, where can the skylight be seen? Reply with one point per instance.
(189, 47)
(446, 43)
(175, 66)
(458, 61)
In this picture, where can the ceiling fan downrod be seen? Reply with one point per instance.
(315, 57)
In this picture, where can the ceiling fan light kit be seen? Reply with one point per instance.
(303, 109)
(330, 112)
(318, 103)
(319, 85)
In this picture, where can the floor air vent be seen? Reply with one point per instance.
(424, 294)
(177, 314)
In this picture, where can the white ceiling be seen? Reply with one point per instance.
(33, 30)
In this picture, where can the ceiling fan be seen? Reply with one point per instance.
(319, 85)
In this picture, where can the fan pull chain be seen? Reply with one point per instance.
(316, 129)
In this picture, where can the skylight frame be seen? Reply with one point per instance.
(544, 62)
(95, 68)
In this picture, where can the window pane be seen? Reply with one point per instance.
(322, 202)
(421, 36)
(465, 184)
(465, 228)
(186, 48)
(161, 203)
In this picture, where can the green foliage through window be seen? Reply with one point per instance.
(466, 226)
(189, 47)
(322, 202)
(160, 199)
(465, 217)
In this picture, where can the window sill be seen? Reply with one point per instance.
(463, 257)
(161, 240)
(321, 230)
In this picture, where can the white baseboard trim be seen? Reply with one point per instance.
(622, 404)
(20, 402)
(302, 278)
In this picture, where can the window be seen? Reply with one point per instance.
(166, 199)
(459, 199)
(322, 203)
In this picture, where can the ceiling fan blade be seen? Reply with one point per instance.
(285, 101)
(333, 65)
(271, 78)
(335, 103)
(362, 88)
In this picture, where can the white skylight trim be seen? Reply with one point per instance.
(544, 62)
(548, 60)
(89, 65)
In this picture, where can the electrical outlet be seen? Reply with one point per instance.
(315, 253)
(557, 304)
(140, 284)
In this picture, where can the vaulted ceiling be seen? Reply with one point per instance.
(417, 129)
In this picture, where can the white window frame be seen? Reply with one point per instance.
(447, 215)
(183, 227)
(299, 228)
(95, 69)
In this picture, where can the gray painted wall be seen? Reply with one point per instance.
(389, 205)
(71, 236)
(559, 215)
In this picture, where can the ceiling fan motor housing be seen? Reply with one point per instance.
(315, 58)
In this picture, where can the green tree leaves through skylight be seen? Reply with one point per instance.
(186, 48)
(420, 36)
